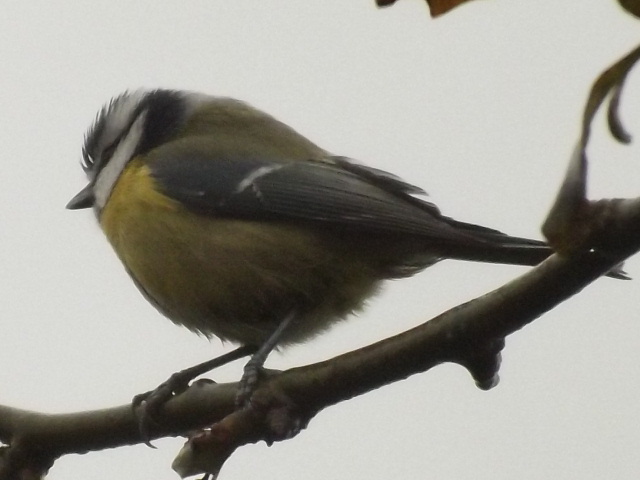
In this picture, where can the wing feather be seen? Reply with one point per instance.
(334, 192)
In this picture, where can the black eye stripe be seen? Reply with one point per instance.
(96, 164)
(164, 110)
(110, 149)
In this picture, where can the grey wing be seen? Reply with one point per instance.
(335, 192)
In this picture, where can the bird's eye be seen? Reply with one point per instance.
(109, 150)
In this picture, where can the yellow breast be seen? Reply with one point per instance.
(231, 278)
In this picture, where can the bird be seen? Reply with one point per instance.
(234, 225)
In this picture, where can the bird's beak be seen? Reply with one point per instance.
(83, 199)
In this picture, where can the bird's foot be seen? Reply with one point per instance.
(147, 406)
(255, 366)
(254, 372)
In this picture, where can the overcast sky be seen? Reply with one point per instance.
(481, 108)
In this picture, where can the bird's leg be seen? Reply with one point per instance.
(255, 364)
(147, 405)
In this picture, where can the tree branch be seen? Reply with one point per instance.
(471, 335)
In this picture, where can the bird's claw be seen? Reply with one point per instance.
(248, 383)
(146, 406)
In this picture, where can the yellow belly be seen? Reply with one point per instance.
(232, 278)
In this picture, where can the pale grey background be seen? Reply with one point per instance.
(481, 108)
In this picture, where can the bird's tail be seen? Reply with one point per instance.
(494, 246)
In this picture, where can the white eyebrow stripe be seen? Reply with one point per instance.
(108, 176)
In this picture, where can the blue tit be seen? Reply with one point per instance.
(232, 224)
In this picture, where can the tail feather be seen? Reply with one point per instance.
(496, 247)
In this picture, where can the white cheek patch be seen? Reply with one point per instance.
(109, 175)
